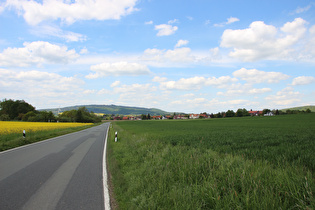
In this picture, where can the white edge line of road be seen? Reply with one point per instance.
(105, 186)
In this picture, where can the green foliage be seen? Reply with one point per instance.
(218, 115)
(80, 115)
(230, 113)
(145, 117)
(238, 163)
(242, 113)
(28, 116)
(4, 117)
(39, 116)
(296, 111)
(14, 108)
(301, 108)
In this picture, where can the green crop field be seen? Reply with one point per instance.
(229, 163)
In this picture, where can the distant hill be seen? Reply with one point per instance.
(113, 109)
(301, 108)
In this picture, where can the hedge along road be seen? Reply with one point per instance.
(66, 172)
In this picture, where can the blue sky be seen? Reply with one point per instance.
(184, 56)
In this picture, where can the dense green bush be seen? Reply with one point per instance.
(80, 115)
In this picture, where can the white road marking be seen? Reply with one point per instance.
(105, 186)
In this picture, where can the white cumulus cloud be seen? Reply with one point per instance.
(35, 12)
(118, 69)
(37, 84)
(196, 83)
(303, 80)
(165, 29)
(303, 9)
(262, 41)
(285, 97)
(181, 43)
(193, 83)
(229, 21)
(256, 76)
(168, 57)
(54, 31)
(259, 90)
(159, 79)
(149, 22)
(115, 84)
(37, 53)
(232, 20)
(244, 90)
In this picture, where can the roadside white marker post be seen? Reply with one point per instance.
(24, 134)
(116, 136)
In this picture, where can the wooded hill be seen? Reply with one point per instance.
(113, 109)
(300, 108)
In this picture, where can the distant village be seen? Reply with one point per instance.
(174, 116)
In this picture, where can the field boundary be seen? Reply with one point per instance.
(39, 142)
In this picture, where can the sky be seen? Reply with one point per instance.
(175, 55)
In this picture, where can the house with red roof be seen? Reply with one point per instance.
(194, 116)
(255, 113)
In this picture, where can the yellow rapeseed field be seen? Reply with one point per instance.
(7, 127)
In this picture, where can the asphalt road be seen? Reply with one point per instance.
(65, 172)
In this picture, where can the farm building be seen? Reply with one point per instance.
(255, 113)
(269, 114)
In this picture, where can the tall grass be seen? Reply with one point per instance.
(238, 163)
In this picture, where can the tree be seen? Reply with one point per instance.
(79, 116)
(230, 113)
(245, 112)
(45, 116)
(219, 115)
(28, 115)
(143, 117)
(239, 113)
(14, 108)
(4, 117)
(68, 116)
(242, 113)
(288, 111)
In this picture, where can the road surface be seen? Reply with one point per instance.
(65, 172)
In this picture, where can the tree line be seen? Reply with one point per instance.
(22, 111)
(243, 113)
